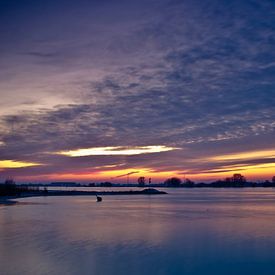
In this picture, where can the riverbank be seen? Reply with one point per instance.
(8, 200)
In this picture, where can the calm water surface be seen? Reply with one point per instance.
(188, 231)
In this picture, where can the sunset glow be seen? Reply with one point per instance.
(160, 87)
(246, 155)
(118, 150)
(16, 164)
(259, 171)
(117, 176)
(137, 137)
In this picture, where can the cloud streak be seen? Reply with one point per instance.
(183, 74)
(16, 164)
(116, 151)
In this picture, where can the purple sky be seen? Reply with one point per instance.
(194, 76)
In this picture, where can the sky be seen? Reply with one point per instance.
(95, 90)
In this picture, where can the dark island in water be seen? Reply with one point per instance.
(10, 191)
(146, 191)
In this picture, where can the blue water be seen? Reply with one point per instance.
(188, 231)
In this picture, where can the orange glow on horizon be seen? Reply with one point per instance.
(112, 176)
(258, 171)
(114, 173)
(8, 164)
(265, 154)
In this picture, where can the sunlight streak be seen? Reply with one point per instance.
(16, 164)
(116, 150)
(245, 155)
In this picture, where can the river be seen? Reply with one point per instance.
(188, 231)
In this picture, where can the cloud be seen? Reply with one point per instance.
(266, 154)
(183, 74)
(127, 174)
(16, 164)
(113, 151)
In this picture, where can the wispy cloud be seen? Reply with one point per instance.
(183, 74)
(118, 150)
(127, 174)
(266, 154)
(16, 164)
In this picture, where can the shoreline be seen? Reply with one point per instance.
(10, 200)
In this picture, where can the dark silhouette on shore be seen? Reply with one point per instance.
(141, 181)
(237, 180)
(98, 198)
(10, 189)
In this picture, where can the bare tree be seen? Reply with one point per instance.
(141, 181)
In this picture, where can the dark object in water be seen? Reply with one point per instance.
(98, 199)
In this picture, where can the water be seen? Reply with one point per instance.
(188, 231)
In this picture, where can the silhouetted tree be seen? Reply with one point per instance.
(188, 183)
(106, 184)
(273, 180)
(141, 181)
(238, 178)
(9, 188)
(173, 182)
(10, 181)
(267, 183)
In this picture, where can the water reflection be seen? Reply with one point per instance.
(192, 231)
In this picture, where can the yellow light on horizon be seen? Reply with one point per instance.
(245, 155)
(107, 175)
(257, 170)
(16, 164)
(116, 151)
